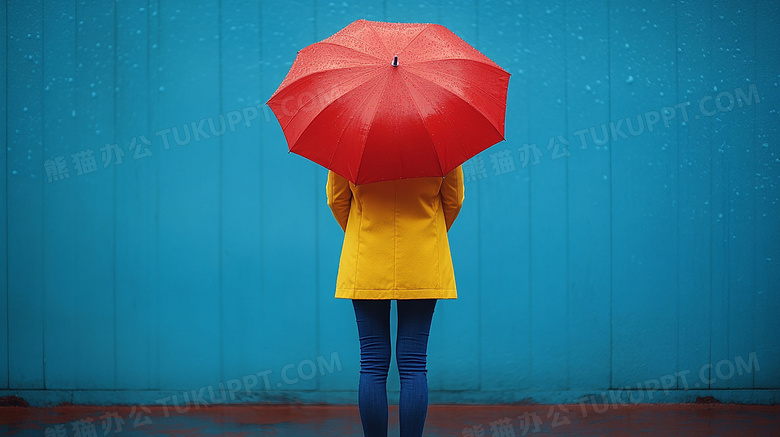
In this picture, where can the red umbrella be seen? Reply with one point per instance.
(381, 101)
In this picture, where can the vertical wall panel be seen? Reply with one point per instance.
(154, 74)
(589, 201)
(740, 73)
(135, 192)
(288, 215)
(644, 214)
(719, 302)
(504, 263)
(767, 180)
(548, 198)
(25, 196)
(94, 354)
(733, 67)
(694, 149)
(3, 199)
(241, 200)
(188, 196)
(62, 303)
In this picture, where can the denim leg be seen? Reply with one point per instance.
(414, 325)
(373, 322)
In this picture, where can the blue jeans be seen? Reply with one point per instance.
(414, 325)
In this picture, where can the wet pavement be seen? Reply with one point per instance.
(442, 420)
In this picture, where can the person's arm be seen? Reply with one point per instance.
(339, 197)
(452, 195)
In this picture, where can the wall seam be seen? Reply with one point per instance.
(755, 195)
(677, 190)
(156, 175)
(709, 70)
(611, 200)
(529, 282)
(113, 203)
(43, 216)
(566, 182)
(220, 43)
(7, 281)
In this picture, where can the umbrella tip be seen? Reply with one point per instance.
(395, 61)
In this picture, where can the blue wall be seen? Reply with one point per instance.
(645, 254)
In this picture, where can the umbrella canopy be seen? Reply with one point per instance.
(381, 101)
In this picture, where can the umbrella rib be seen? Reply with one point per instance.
(300, 108)
(459, 77)
(283, 86)
(348, 48)
(344, 130)
(447, 120)
(464, 100)
(428, 26)
(490, 64)
(433, 143)
(368, 132)
(379, 38)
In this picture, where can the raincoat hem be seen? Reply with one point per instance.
(425, 293)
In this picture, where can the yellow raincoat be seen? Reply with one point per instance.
(395, 241)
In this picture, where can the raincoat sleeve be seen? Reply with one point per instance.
(452, 195)
(339, 197)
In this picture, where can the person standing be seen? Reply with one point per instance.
(395, 248)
